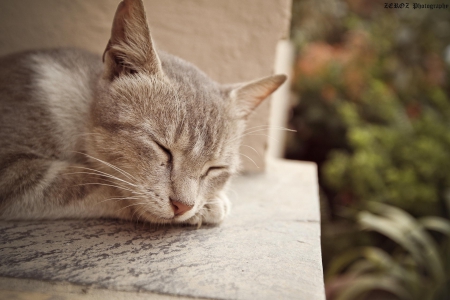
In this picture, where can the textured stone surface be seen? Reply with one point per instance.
(269, 247)
(28, 289)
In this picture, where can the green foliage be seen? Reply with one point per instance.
(415, 270)
(397, 160)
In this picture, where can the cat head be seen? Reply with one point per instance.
(167, 130)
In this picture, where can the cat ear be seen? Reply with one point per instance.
(130, 48)
(249, 95)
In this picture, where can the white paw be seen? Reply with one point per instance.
(213, 212)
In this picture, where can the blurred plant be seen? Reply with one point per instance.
(401, 157)
(373, 108)
(418, 267)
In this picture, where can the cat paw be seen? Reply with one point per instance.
(213, 212)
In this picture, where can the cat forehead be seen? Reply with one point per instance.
(182, 81)
(189, 79)
(166, 101)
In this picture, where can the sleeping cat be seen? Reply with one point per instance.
(142, 135)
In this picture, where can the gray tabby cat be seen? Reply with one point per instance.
(143, 136)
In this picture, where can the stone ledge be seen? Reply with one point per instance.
(29, 289)
(269, 248)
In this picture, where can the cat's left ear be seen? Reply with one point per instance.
(130, 48)
(246, 97)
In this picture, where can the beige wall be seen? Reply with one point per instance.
(231, 40)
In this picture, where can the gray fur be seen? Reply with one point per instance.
(80, 138)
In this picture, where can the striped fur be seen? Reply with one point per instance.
(81, 138)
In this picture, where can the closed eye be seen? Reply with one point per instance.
(215, 170)
(166, 151)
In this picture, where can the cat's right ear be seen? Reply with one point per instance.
(130, 48)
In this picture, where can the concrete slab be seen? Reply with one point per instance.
(269, 248)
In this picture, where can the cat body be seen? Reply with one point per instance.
(142, 135)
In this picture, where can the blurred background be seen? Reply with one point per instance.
(371, 106)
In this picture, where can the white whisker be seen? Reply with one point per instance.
(260, 128)
(134, 204)
(250, 159)
(243, 135)
(121, 198)
(111, 185)
(102, 179)
(106, 175)
(265, 127)
(132, 216)
(109, 165)
(251, 148)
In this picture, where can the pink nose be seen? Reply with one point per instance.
(179, 208)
